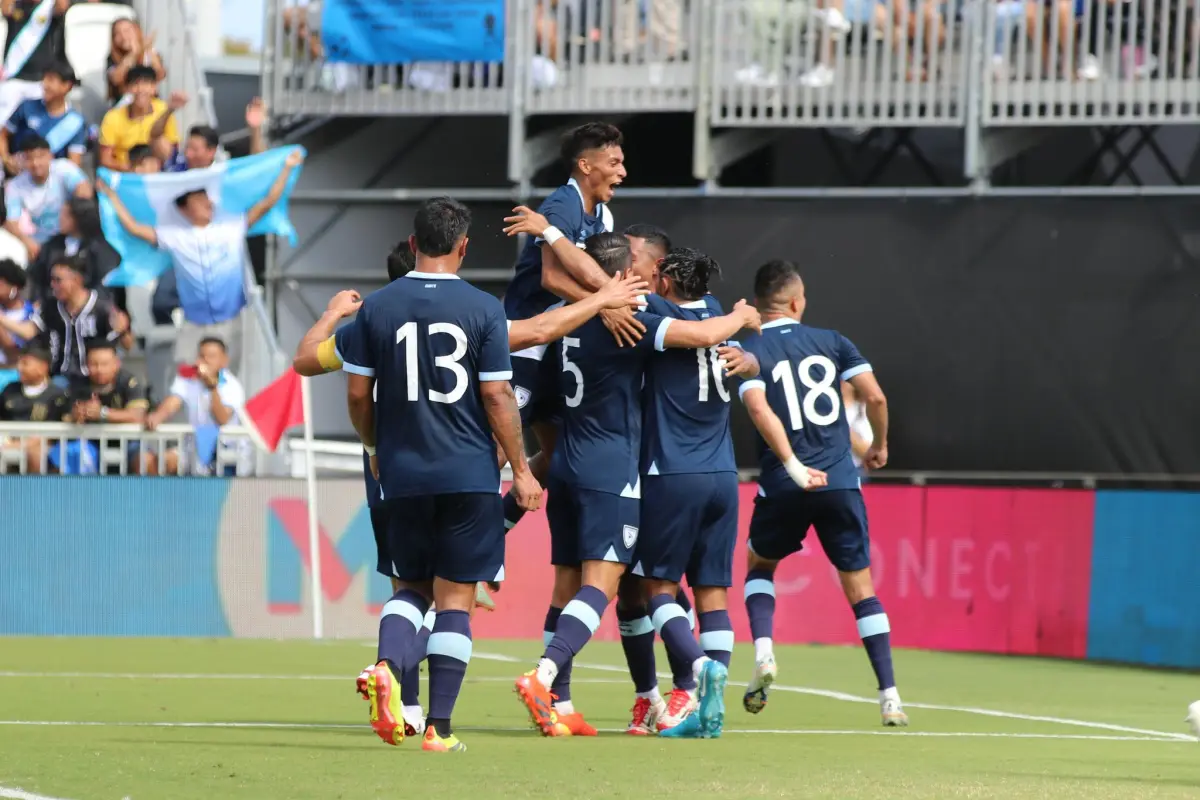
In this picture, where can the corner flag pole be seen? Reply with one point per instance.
(314, 535)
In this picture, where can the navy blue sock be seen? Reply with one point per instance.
(875, 632)
(685, 602)
(399, 622)
(579, 620)
(637, 640)
(410, 679)
(682, 676)
(512, 512)
(672, 625)
(760, 603)
(449, 653)
(561, 688)
(716, 635)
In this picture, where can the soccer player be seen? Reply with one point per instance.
(797, 409)
(437, 348)
(595, 488)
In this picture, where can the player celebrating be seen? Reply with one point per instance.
(595, 486)
(797, 410)
(439, 348)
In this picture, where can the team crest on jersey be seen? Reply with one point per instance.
(629, 536)
(523, 396)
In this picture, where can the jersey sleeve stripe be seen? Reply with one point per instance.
(660, 336)
(751, 384)
(537, 352)
(859, 370)
(355, 369)
(496, 376)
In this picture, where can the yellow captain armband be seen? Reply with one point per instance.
(327, 355)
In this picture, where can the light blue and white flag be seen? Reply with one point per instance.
(28, 38)
(234, 186)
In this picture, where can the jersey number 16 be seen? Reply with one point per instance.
(782, 374)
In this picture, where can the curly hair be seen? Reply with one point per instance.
(690, 270)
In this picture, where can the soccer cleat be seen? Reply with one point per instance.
(441, 744)
(538, 702)
(482, 598)
(680, 704)
(414, 720)
(387, 719)
(893, 713)
(573, 724)
(646, 713)
(360, 683)
(712, 679)
(755, 699)
(689, 728)
(1193, 717)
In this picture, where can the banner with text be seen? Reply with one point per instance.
(403, 31)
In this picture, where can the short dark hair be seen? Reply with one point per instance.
(12, 273)
(589, 136)
(62, 70)
(182, 200)
(438, 225)
(400, 261)
(36, 349)
(691, 271)
(610, 250)
(74, 263)
(773, 277)
(100, 344)
(651, 235)
(34, 142)
(207, 133)
(139, 153)
(140, 73)
(219, 342)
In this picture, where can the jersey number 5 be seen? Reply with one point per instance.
(407, 333)
(574, 400)
(782, 374)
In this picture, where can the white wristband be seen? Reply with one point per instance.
(551, 235)
(797, 471)
(370, 450)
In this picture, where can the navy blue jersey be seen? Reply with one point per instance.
(686, 402)
(429, 340)
(600, 384)
(802, 370)
(525, 297)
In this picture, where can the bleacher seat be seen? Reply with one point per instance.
(89, 31)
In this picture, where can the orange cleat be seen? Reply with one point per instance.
(538, 702)
(573, 724)
(387, 718)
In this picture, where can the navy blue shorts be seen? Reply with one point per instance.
(689, 527)
(379, 526)
(456, 537)
(587, 525)
(536, 386)
(780, 523)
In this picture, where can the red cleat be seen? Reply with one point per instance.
(538, 702)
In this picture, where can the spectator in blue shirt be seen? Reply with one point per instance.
(50, 117)
(34, 199)
(15, 307)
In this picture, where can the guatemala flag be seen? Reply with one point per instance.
(235, 186)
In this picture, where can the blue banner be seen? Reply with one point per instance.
(403, 31)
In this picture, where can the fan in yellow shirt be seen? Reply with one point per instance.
(144, 120)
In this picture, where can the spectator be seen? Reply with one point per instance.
(144, 120)
(143, 161)
(34, 199)
(79, 235)
(209, 254)
(110, 395)
(15, 307)
(34, 42)
(78, 316)
(212, 395)
(203, 142)
(50, 117)
(130, 48)
(33, 399)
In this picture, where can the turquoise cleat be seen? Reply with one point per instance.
(690, 728)
(712, 681)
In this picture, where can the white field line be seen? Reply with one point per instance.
(348, 726)
(17, 794)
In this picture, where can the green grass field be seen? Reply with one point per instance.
(182, 719)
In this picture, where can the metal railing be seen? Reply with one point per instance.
(768, 63)
(170, 19)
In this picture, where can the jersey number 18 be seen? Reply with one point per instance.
(782, 374)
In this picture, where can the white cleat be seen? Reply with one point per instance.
(646, 714)
(1193, 717)
(765, 672)
(893, 713)
(414, 720)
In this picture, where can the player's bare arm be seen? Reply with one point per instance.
(707, 333)
(361, 404)
(317, 354)
(619, 292)
(577, 264)
(873, 399)
(500, 404)
(858, 445)
(770, 427)
(738, 363)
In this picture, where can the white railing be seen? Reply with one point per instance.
(171, 20)
(40, 448)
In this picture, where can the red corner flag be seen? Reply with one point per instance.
(275, 409)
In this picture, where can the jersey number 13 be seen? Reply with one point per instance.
(406, 334)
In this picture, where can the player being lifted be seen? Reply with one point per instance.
(595, 485)
(796, 407)
(317, 354)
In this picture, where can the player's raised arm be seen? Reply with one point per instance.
(706, 333)
(317, 353)
(770, 427)
(620, 292)
(567, 270)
